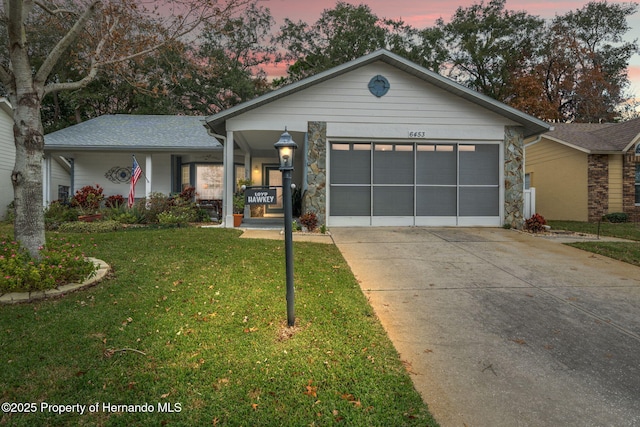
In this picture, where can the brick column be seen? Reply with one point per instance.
(598, 186)
(315, 198)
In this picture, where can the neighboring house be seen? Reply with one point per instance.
(583, 171)
(383, 141)
(173, 151)
(8, 158)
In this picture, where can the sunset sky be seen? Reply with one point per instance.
(423, 13)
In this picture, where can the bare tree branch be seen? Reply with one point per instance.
(57, 52)
(54, 11)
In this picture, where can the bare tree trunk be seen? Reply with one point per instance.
(27, 173)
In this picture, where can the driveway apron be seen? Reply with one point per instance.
(500, 328)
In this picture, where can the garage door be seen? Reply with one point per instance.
(444, 184)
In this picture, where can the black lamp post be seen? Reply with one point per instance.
(286, 151)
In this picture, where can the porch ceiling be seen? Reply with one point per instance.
(261, 142)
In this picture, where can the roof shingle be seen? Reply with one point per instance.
(142, 132)
(598, 137)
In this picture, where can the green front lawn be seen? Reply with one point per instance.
(192, 324)
(623, 251)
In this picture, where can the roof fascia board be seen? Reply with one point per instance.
(567, 144)
(220, 118)
(66, 148)
(633, 143)
(217, 121)
(463, 91)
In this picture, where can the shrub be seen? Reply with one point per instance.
(535, 224)
(57, 213)
(61, 262)
(155, 204)
(11, 212)
(88, 198)
(309, 220)
(616, 217)
(90, 227)
(180, 213)
(114, 201)
(187, 194)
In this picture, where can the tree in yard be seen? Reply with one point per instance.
(97, 34)
(581, 68)
(488, 45)
(340, 35)
(231, 59)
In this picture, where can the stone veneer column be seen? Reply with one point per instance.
(315, 198)
(513, 176)
(598, 186)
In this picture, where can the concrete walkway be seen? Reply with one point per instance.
(499, 328)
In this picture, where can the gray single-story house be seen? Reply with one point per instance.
(381, 141)
(174, 152)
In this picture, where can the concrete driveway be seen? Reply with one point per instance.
(499, 328)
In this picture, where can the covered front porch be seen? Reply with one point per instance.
(250, 158)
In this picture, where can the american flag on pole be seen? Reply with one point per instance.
(135, 175)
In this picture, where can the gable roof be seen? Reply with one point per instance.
(139, 132)
(594, 138)
(531, 125)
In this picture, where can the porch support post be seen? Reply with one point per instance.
(149, 173)
(46, 180)
(228, 181)
(247, 176)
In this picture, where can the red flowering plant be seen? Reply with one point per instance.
(88, 199)
(114, 201)
(535, 224)
(309, 221)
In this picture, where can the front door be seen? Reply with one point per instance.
(273, 179)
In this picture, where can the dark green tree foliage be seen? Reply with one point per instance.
(340, 35)
(600, 62)
(487, 46)
(233, 59)
(571, 68)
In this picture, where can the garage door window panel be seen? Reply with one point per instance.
(350, 201)
(393, 164)
(479, 201)
(351, 165)
(393, 201)
(436, 201)
(435, 165)
(480, 165)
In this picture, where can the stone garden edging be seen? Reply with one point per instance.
(18, 297)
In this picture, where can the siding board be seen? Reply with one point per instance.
(346, 99)
(615, 183)
(7, 160)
